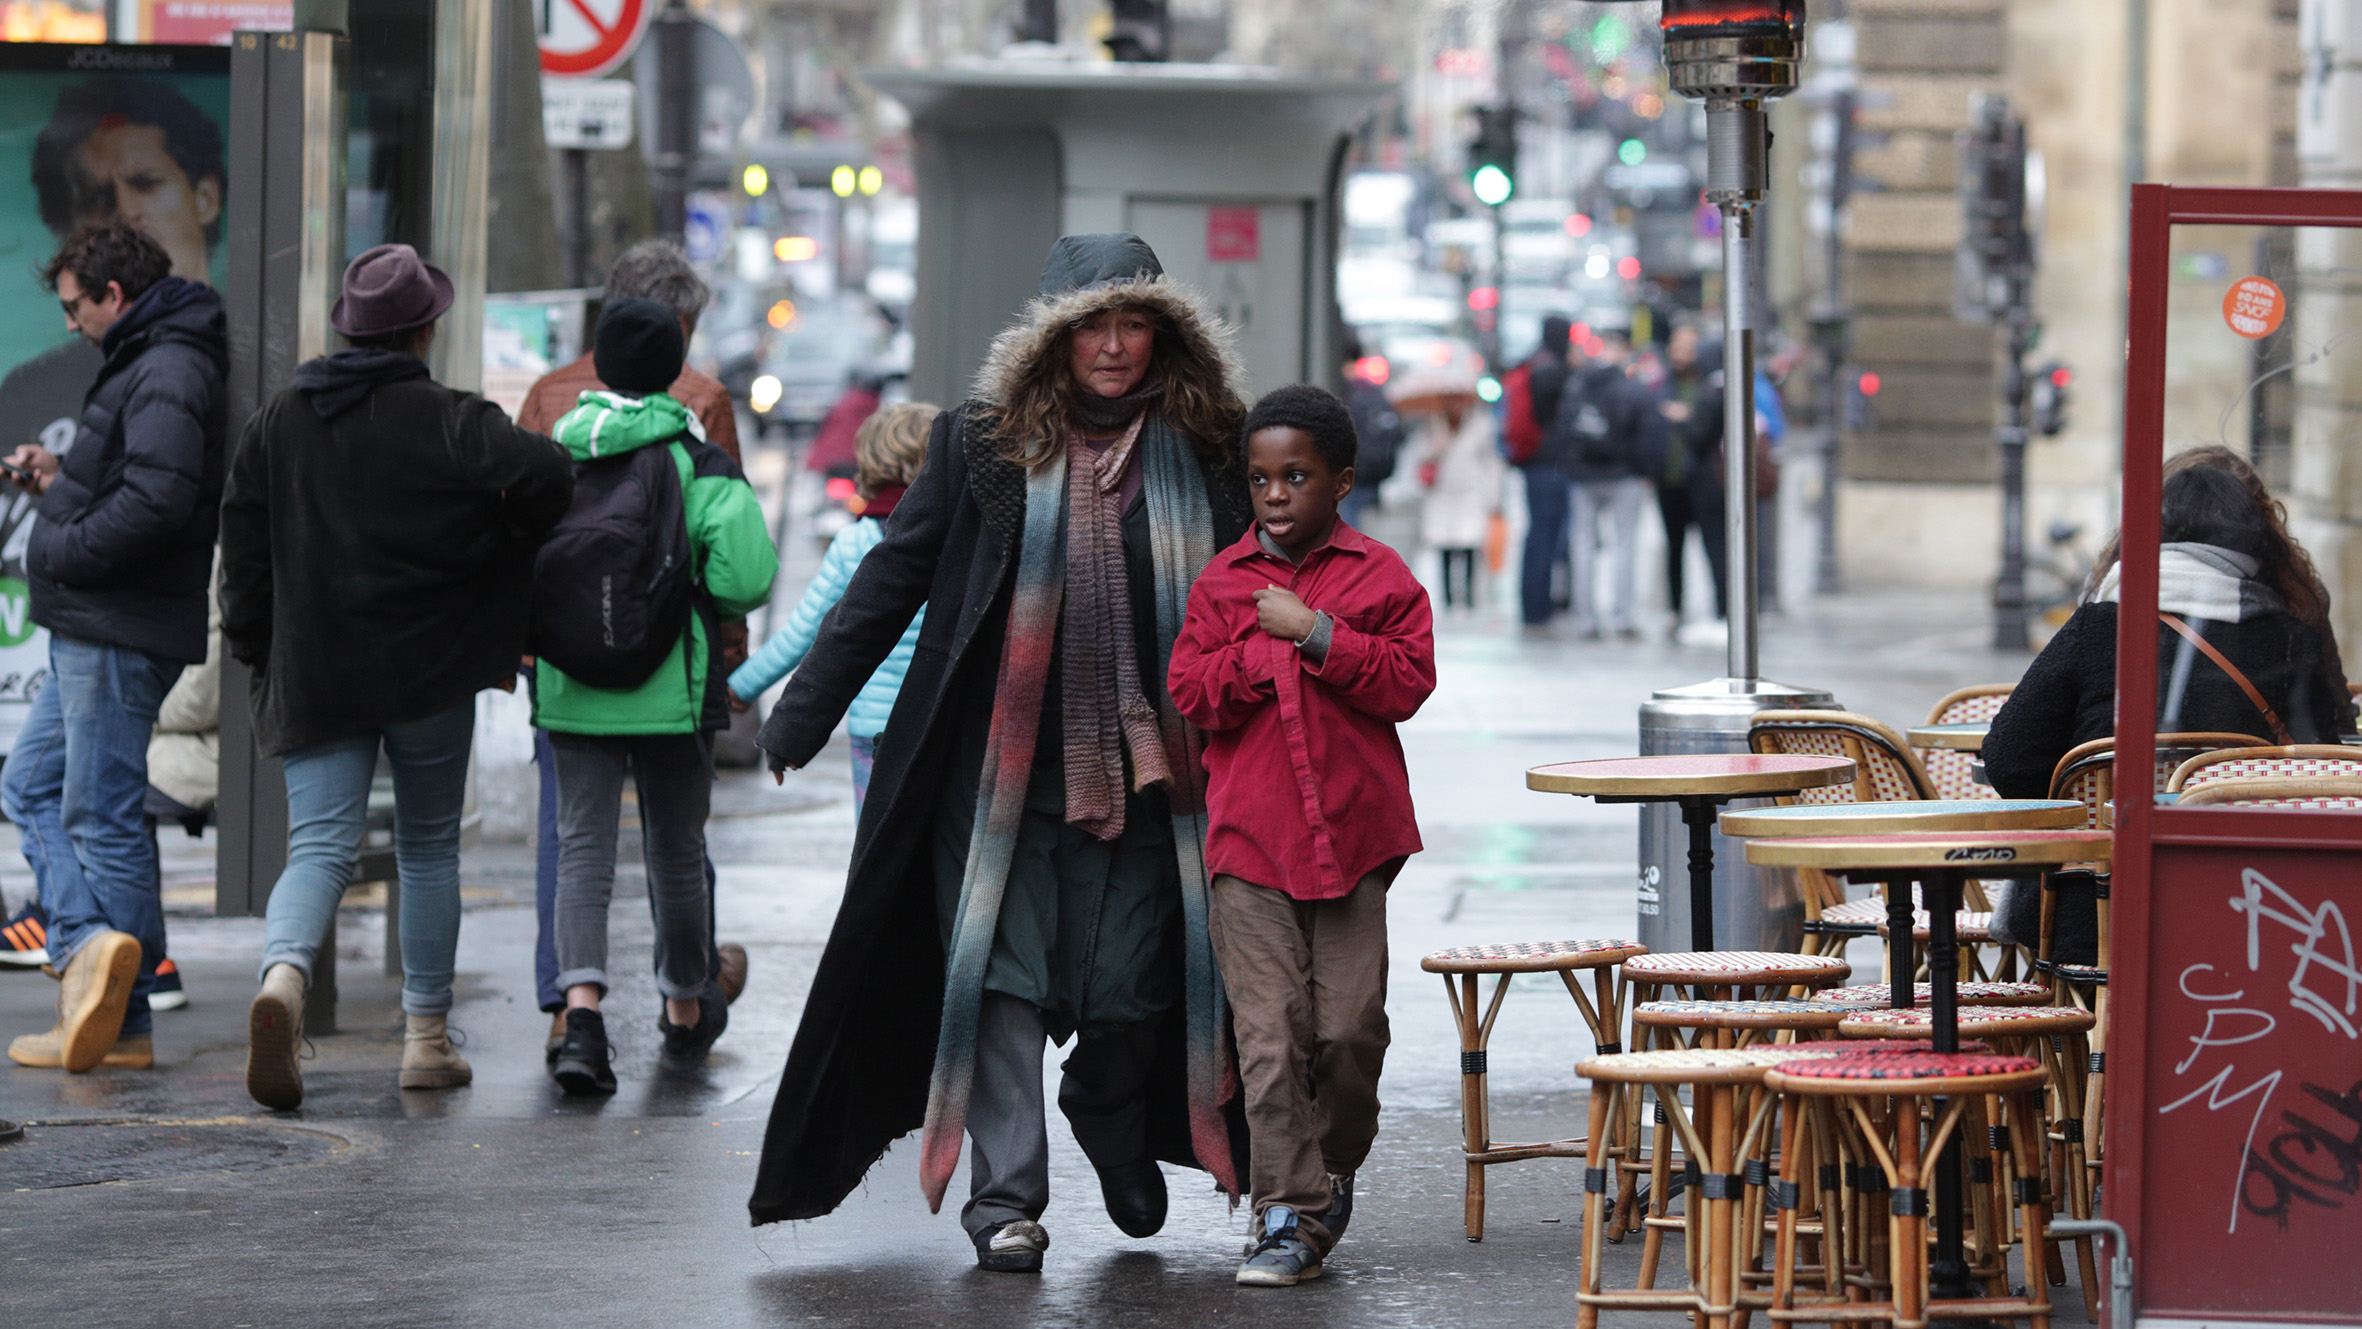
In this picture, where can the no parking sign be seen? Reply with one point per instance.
(589, 38)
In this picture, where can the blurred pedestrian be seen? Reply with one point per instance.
(1609, 433)
(656, 270)
(1548, 493)
(1376, 425)
(1305, 635)
(377, 537)
(1063, 514)
(1691, 402)
(118, 560)
(1460, 464)
(637, 686)
(890, 449)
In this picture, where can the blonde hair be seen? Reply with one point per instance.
(891, 446)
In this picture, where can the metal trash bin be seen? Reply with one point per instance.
(1755, 909)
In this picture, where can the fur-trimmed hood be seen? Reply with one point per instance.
(1194, 357)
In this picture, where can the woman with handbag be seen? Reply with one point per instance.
(2244, 643)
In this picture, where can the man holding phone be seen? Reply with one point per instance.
(118, 562)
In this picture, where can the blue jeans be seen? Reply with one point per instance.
(76, 785)
(1549, 500)
(327, 803)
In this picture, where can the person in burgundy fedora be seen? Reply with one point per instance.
(377, 542)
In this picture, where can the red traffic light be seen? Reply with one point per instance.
(1484, 297)
(1628, 267)
(1578, 225)
(1869, 383)
(2061, 377)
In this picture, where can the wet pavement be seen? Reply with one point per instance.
(167, 1197)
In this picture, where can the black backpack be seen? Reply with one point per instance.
(1586, 427)
(613, 584)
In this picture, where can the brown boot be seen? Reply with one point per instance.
(428, 1059)
(732, 977)
(47, 1051)
(274, 1039)
(95, 990)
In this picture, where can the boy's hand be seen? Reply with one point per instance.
(1282, 615)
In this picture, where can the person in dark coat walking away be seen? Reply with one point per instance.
(377, 544)
(119, 560)
(1378, 428)
(1548, 493)
(1608, 437)
(1030, 863)
(2230, 573)
(1692, 407)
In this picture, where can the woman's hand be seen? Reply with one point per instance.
(1282, 615)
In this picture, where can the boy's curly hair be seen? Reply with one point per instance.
(891, 446)
(1317, 412)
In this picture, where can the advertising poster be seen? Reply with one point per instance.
(87, 132)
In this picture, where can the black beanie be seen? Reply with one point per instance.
(638, 347)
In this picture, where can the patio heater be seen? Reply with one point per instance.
(1735, 56)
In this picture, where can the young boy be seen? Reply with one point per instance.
(1305, 644)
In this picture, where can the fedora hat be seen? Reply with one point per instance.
(390, 289)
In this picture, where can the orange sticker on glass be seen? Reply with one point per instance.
(2254, 307)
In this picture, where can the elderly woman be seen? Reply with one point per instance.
(1030, 862)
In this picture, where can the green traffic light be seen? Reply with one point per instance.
(1492, 185)
(1633, 152)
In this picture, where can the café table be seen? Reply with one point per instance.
(1939, 861)
(1901, 817)
(1965, 737)
(1701, 783)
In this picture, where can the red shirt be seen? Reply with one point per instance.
(1307, 790)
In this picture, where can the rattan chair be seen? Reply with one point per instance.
(1949, 768)
(1885, 770)
(2304, 761)
(2322, 795)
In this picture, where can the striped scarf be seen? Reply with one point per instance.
(1105, 713)
(1181, 537)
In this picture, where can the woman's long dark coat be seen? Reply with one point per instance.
(857, 1075)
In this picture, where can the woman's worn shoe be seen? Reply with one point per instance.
(274, 1040)
(1340, 1206)
(584, 1064)
(1135, 1197)
(685, 1046)
(1014, 1247)
(1283, 1258)
(429, 1061)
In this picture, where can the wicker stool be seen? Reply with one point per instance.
(1724, 1024)
(2054, 1036)
(1467, 964)
(1980, 992)
(1864, 1085)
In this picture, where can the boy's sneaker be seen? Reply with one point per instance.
(1014, 1247)
(584, 1064)
(685, 1046)
(1283, 1258)
(1340, 1206)
(24, 940)
(167, 995)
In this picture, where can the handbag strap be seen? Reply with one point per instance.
(2280, 732)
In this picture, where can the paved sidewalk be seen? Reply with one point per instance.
(504, 1204)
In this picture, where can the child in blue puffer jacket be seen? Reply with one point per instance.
(889, 451)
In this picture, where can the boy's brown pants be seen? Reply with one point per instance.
(1307, 985)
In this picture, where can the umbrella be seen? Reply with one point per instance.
(1428, 388)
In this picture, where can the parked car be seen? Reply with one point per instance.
(811, 355)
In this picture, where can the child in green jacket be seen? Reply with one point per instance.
(662, 730)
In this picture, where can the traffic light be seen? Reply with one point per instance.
(2051, 384)
(1995, 261)
(1492, 155)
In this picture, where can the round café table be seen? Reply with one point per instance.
(1967, 737)
(1939, 861)
(1901, 817)
(1701, 783)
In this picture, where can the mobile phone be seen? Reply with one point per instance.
(18, 473)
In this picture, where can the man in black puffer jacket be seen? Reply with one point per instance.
(119, 558)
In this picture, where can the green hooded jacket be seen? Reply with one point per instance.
(728, 540)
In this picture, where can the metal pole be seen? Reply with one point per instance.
(1836, 336)
(1736, 148)
(676, 119)
(2010, 616)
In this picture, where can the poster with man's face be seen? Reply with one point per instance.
(87, 133)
